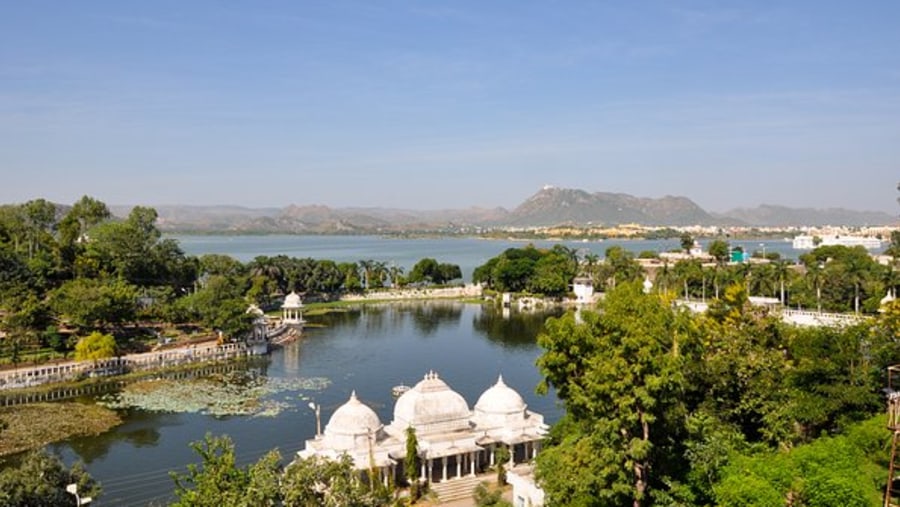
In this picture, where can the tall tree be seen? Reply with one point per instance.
(619, 375)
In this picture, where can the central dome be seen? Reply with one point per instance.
(431, 406)
(352, 425)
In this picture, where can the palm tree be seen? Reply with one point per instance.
(365, 267)
(395, 272)
(782, 272)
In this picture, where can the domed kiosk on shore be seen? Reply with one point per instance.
(453, 441)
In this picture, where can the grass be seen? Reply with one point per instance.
(35, 425)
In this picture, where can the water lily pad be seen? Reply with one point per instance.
(235, 393)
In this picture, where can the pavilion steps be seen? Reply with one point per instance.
(457, 488)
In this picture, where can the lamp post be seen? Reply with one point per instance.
(318, 410)
(763, 245)
(79, 501)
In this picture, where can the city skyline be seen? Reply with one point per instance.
(450, 105)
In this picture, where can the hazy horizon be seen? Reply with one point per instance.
(433, 105)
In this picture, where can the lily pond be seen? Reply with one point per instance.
(264, 404)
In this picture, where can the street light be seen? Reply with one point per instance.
(763, 245)
(79, 501)
(318, 409)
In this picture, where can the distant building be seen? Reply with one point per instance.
(292, 309)
(583, 287)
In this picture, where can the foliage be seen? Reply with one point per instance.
(429, 270)
(830, 472)
(41, 479)
(410, 463)
(547, 272)
(219, 481)
(89, 304)
(322, 482)
(485, 496)
(95, 346)
(619, 375)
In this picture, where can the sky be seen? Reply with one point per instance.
(433, 104)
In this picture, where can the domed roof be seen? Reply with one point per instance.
(353, 418)
(500, 399)
(432, 406)
(292, 300)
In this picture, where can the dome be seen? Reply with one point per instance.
(431, 406)
(352, 424)
(292, 300)
(500, 399)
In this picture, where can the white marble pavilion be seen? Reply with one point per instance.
(292, 309)
(453, 440)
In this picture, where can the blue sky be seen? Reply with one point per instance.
(450, 104)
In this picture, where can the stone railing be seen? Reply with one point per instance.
(74, 370)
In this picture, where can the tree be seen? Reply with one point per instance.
(95, 346)
(323, 482)
(687, 242)
(89, 303)
(719, 250)
(41, 479)
(619, 375)
(410, 463)
(218, 481)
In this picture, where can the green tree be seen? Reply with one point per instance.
(218, 481)
(619, 374)
(410, 463)
(687, 242)
(323, 482)
(89, 303)
(95, 346)
(719, 250)
(41, 479)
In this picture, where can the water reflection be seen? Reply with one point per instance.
(518, 330)
(142, 429)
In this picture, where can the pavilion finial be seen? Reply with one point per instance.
(353, 395)
(500, 380)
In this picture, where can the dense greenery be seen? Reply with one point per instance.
(68, 272)
(313, 482)
(41, 479)
(727, 408)
(530, 269)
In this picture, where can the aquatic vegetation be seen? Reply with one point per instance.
(234, 393)
(35, 425)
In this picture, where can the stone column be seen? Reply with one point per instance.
(423, 471)
(492, 454)
(444, 469)
(472, 464)
(459, 458)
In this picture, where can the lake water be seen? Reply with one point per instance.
(468, 253)
(369, 349)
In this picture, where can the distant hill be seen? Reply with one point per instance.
(553, 206)
(549, 206)
(768, 215)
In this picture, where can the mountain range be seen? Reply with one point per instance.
(550, 206)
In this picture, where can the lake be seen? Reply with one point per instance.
(468, 253)
(368, 349)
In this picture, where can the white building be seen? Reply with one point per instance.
(453, 441)
(292, 309)
(583, 287)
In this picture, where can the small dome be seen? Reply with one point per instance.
(432, 406)
(352, 420)
(500, 399)
(292, 300)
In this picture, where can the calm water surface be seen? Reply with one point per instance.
(468, 253)
(369, 349)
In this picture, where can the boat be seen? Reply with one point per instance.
(397, 391)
